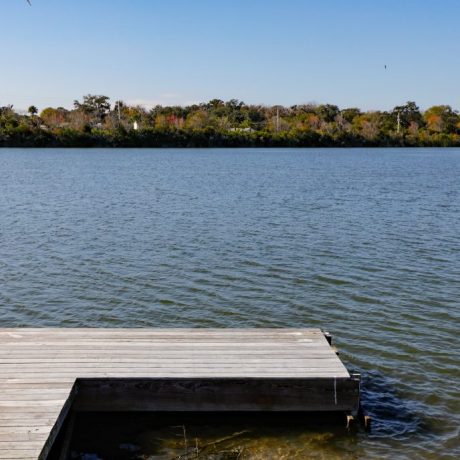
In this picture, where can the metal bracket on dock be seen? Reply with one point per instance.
(363, 416)
(328, 336)
(355, 376)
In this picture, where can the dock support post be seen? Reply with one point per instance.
(364, 418)
(351, 422)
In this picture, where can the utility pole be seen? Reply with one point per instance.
(277, 118)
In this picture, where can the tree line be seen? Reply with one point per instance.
(95, 122)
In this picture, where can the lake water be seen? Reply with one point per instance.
(364, 243)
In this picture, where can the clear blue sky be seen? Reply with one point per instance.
(258, 51)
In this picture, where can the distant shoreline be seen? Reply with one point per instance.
(94, 123)
(202, 139)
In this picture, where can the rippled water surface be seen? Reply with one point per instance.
(363, 243)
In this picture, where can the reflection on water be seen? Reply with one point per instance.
(364, 243)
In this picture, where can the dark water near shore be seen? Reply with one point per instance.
(363, 243)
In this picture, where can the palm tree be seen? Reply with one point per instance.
(32, 110)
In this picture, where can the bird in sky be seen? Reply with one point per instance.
(385, 66)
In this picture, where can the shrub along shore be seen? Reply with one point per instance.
(95, 122)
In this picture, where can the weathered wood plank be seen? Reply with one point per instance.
(48, 368)
(203, 374)
(24, 436)
(21, 429)
(17, 421)
(84, 331)
(179, 358)
(22, 454)
(12, 445)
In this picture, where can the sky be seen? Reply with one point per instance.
(259, 51)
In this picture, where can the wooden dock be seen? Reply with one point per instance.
(46, 373)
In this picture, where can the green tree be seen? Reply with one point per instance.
(408, 113)
(8, 117)
(441, 118)
(327, 112)
(214, 103)
(94, 106)
(350, 114)
(54, 117)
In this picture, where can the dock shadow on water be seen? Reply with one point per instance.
(205, 436)
(392, 416)
(246, 436)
